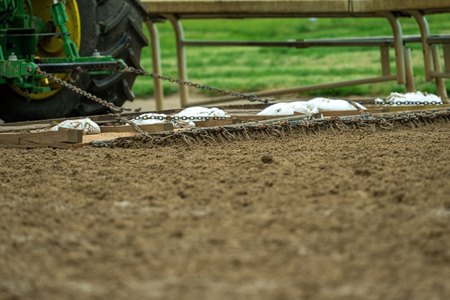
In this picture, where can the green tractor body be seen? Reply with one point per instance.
(37, 36)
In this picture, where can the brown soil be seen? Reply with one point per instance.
(354, 215)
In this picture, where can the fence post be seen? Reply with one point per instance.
(181, 57)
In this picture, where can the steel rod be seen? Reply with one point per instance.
(181, 57)
(424, 34)
(399, 47)
(440, 84)
(156, 63)
(410, 86)
(300, 89)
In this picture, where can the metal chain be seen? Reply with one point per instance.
(109, 105)
(249, 97)
(179, 118)
(416, 103)
(139, 72)
(118, 110)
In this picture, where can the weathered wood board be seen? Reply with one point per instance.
(58, 139)
(106, 136)
(147, 128)
(213, 123)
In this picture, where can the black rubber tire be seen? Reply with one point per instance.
(114, 27)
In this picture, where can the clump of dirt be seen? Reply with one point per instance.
(267, 159)
(334, 215)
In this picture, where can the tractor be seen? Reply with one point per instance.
(84, 42)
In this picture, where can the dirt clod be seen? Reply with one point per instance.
(267, 159)
(363, 172)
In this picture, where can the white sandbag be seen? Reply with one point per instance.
(277, 109)
(324, 104)
(150, 118)
(289, 108)
(415, 98)
(198, 111)
(87, 125)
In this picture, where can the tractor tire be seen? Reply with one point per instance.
(113, 27)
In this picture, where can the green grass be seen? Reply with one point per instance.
(257, 68)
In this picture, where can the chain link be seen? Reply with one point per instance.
(109, 105)
(249, 97)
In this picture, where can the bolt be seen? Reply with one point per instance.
(12, 57)
(96, 53)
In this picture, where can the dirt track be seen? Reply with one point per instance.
(347, 216)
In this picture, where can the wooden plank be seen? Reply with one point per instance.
(350, 8)
(4, 129)
(42, 138)
(106, 136)
(383, 109)
(147, 128)
(29, 146)
(258, 118)
(30, 123)
(340, 113)
(199, 7)
(401, 108)
(213, 123)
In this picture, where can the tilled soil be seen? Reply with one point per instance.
(350, 215)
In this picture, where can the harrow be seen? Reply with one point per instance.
(277, 127)
(282, 127)
(247, 127)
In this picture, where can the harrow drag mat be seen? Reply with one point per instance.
(285, 126)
